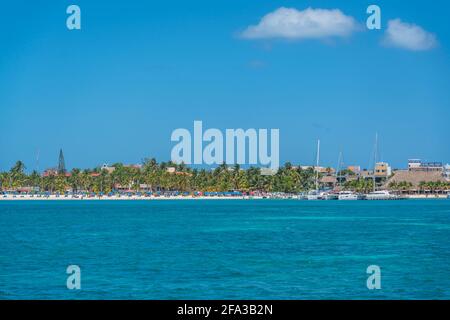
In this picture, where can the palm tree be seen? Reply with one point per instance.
(393, 186)
(34, 180)
(75, 179)
(288, 179)
(4, 180)
(17, 175)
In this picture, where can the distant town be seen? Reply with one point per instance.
(418, 179)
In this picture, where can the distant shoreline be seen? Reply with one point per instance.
(125, 197)
(162, 198)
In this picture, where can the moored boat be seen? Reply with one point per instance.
(349, 195)
(313, 195)
(381, 195)
(331, 196)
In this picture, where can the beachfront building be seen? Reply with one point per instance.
(447, 171)
(54, 172)
(145, 187)
(355, 169)
(382, 170)
(123, 188)
(414, 164)
(380, 174)
(59, 170)
(366, 174)
(50, 172)
(416, 181)
(107, 168)
(419, 165)
(328, 182)
(322, 170)
(173, 170)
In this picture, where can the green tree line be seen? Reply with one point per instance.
(155, 175)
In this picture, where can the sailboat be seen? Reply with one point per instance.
(342, 195)
(332, 195)
(378, 194)
(349, 195)
(315, 194)
(381, 195)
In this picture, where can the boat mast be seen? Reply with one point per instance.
(375, 161)
(338, 172)
(317, 165)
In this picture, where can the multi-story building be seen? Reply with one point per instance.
(414, 164)
(447, 171)
(354, 169)
(382, 170)
(419, 165)
(366, 173)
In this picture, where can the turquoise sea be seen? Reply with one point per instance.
(225, 249)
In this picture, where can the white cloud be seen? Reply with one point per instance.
(306, 24)
(409, 36)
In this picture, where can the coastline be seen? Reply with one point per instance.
(124, 198)
(162, 198)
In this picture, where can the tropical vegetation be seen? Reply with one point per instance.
(153, 176)
(168, 176)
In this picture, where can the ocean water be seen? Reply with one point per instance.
(225, 249)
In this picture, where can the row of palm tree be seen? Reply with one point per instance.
(153, 176)
(423, 186)
(359, 185)
(366, 185)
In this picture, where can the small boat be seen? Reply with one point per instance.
(381, 195)
(331, 196)
(349, 195)
(313, 195)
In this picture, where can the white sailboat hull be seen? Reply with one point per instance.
(331, 197)
(348, 197)
(381, 195)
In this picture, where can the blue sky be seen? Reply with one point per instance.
(116, 89)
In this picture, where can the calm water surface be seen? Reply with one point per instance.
(225, 249)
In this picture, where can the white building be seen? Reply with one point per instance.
(106, 167)
(419, 165)
(383, 169)
(447, 171)
(414, 164)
